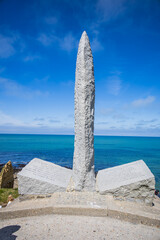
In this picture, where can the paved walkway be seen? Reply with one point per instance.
(50, 227)
(79, 216)
(86, 204)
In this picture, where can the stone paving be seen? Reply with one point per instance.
(83, 203)
(50, 227)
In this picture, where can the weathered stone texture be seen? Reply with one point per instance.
(6, 176)
(83, 162)
(42, 177)
(133, 181)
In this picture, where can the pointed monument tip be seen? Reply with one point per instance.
(84, 37)
(84, 34)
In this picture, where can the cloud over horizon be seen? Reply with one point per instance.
(12, 88)
(142, 102)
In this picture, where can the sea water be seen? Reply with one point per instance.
(109, 151)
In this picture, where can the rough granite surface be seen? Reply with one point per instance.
(133, 181)
(6, 176)
(83, 162)
(42, 177)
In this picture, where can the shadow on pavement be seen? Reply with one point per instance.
(6, 232)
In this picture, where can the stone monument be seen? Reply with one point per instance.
(133, 181)
(83, 161)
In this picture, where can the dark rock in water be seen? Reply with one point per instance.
(21, 165)
(6, 176)
(18, 168)
(68, 167)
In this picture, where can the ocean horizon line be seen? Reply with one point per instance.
(61, 134)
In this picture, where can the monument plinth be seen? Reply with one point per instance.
(83, 161)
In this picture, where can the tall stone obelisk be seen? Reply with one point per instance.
(83, 162)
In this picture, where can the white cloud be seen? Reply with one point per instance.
(46, 40)
(111, 131)
(42, 80)
(106, 111)
(9, 86)
(6, 46)
(31, 58)
(9, 123)
(10, 44)
(9, 120)
(151, 123)
(43, 121)
(114, 85)
(68, 43)
(110, 9)
(13, 88)
(41, 129)
(96, 45)
(39, 119)
(143, 101)
(68, 83)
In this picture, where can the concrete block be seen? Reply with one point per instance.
(42, 177)
(133, 181)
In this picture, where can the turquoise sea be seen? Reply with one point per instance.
(109, 151)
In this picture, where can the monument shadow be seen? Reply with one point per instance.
(6, 233)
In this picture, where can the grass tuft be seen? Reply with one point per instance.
(5, 192)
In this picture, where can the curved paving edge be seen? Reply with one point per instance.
(82, 204)
(80, 211)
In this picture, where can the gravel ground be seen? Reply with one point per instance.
(50, 227)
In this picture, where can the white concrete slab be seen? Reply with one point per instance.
(41, 177)
(132, 181)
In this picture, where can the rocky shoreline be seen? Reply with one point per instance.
(16, 168)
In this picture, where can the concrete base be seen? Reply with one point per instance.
(42, 177)
(133, 181)
(83, 204)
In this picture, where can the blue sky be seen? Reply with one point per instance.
(38, 49)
